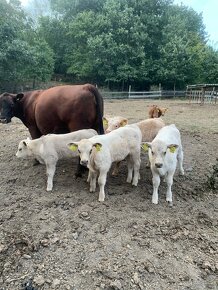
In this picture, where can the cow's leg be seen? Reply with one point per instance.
(101, 182)
(93, 177)
(34, 132)
(130, 169)
(116, 168)
(156, 183)
(136, 166)
(50, 170)
(80, 169)
(180, 160)
(169, 181)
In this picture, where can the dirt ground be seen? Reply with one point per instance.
(68, 240)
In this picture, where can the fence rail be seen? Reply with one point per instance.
(142, 94)
(202, 93)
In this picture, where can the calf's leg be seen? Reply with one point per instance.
(130, 169)
(156, 183)
(50, 170)
(136, 167)
(169, 181)
(101, 182)
(93, 177)
(116, 168)
(180, 161)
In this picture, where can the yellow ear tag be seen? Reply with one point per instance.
(145, 147)
(105, 122)
(123, 123)
(98, 147)
(73, 147)
(172, 149)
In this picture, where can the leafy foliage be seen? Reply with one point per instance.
(23, 56)
(113, 42)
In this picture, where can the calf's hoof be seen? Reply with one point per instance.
(129, 180)
(182, 172)
(101, 198)
(135, 183)
(170, 203)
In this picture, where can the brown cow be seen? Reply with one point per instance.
(156, 112)
(57, 110)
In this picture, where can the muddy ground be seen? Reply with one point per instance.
(68, 240)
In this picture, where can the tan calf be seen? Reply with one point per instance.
(156, 112)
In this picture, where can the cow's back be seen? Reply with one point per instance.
(65, 109)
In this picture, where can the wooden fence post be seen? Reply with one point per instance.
(129, 91)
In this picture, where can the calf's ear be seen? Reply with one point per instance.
(163, 110)
(172, 147)
(145, 146)
(72, 146)
(123, 122)
(105, 122)
(97, 146)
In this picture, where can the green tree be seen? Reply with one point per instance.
(209, 65)
(22, 56)
(117, 44)
(181, 50)
(54, 32)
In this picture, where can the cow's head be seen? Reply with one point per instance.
(113, 123)
(85, 149)
(158, 151)
(156, 112)
(7, 103)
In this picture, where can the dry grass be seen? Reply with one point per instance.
(191, 117)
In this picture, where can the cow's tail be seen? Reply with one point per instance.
(99, 108)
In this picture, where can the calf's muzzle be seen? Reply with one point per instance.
(84, 163)
(159, 165)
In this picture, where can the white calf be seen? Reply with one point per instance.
(50, 148)
(164, 151)
(98, 153)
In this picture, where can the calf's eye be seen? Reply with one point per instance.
(152, 152)
(165, 153)
(90, 151)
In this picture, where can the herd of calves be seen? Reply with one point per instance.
(121, 141)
